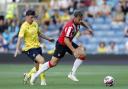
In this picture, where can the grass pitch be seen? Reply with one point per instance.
(90, 76)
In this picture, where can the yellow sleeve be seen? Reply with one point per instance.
(22, 31)
(37, 26)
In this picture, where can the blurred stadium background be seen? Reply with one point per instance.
(108, 45)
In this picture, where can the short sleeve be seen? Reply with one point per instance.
(68, 31)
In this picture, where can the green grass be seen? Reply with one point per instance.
(90, 76)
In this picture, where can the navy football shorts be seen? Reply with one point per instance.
(32, 53)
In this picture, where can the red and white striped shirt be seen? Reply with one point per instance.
(69, 30)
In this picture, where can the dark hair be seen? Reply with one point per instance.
(78, 13)
(1, 17)
(30, 12)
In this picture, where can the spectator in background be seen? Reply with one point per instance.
(112, 3)
(73, 6)
(24, 9)
(64, 4)
(112, 48)
(60, 4)
(46, 17)
(93, 9)
(126, 31)
(12, 10)
(2, 42)
(85, 37)
(99, 2)
(124, 6)
(104, 9)
(13, 30)
(126, 47)
(102, 48)
(6, 34)
(86, 3)
(3, 26)
(118, 17)
(65, 17)
(54, 4)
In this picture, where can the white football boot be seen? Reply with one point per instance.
(72, 77)
(32, 80)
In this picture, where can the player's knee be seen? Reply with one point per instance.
(53, 62)
(82, 57)
(41, 61)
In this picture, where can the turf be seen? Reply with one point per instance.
(90, 76)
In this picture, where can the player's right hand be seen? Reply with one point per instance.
(79, 51)
(17, 52)
(76, 53)
(52, 40)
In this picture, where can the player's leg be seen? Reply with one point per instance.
(30, 73)
(58, 54)
(33, 70)
(40, 60)
(76, 65)
(53, 62)
(36, 55)
(72, 74)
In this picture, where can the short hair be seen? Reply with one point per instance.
(30, 12)
(78, 13)
(1, 17)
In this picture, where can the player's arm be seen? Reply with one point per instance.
(20, 37)
(85, 24)
(68, 33)
(18, 45)
(69, 44)
(40, 34)
(45, 37)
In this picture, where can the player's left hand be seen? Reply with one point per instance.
(51, 40)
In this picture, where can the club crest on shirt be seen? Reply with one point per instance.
(58, 55)
(34, 55)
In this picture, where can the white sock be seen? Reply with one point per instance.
(43, 68)
(76, 65)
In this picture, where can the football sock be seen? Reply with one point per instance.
(43, 68)
(33, 70)
(76, 65)
(42, 75)
(30, 73)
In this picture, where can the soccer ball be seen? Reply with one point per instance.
(109, 81)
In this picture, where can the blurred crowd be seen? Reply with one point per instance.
(108, 19)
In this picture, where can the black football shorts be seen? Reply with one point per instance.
(60, 50)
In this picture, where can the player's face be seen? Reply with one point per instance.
(30, 18)
(79, 19)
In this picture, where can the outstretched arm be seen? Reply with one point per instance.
(85, 24)
(46, 38)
